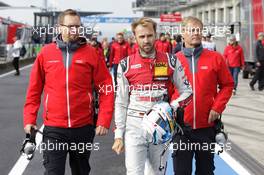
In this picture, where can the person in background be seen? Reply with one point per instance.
(16, 54)
(208, 43)
(169, 40)
(106, 52)
(162, 44)
(131, 41)
(259, 75)
(173, 42)
(98, 47)
(234, 56)
(178, 47)
(119, 50)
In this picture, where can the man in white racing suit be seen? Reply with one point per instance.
(143, 79)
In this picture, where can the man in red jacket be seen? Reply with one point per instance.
(207, 71)
(234, 57)
(118, 51)
(67, 71)
(162, 45)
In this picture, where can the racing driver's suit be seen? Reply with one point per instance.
(142, 82)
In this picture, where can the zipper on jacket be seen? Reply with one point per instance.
(46, 104)
(67, 87)
(194, 93)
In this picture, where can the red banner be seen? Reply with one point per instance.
(257, 11)
(176, 17)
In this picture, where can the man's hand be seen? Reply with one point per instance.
(101, 131)
(213, 116)
(258, 64)
(28, 127)
(118, 146)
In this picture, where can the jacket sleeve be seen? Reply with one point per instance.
(121, 102)
(34, 91)
(181, 83)
(169, 48)
(257, 51)
(111, 56)
(225, 55)
(225, 84)
(242, 58)
(104, 86)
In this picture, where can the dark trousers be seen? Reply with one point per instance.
(115, 72)
(55, 154)
(259, 76)
(234, 72)
(183, 156)
(16, 64)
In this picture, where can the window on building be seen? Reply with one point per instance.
(206, 17)
(212, 16)
(200, 15)
(229, 15)
(220, 15)
(237, 13)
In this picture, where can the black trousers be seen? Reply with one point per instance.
(115, 66)
(59, 142)
(16, 64)
(187, 146)
(259, 76)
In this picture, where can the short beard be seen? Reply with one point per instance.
(72, 39)
(150, 54)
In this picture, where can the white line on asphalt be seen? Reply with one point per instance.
(235, 165)
(13, 71)
(22, 162)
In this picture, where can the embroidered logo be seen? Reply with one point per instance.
(136, 66)
(204, 67)
(79, 61)
(53, 61)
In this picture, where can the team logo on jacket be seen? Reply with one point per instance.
(53, 61)
(204, 67)
(161, 69)
(79, 61)
(136, 66)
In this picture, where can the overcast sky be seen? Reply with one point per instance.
(120, 8)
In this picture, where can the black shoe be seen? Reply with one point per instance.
(251, 87)
(261, 89)
(17, 74)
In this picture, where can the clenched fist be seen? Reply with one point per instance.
(118, 146)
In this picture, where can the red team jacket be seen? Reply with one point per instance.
(118, 52)
(234, 56)
(211, 73)
(67, 98)
(163, 46)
